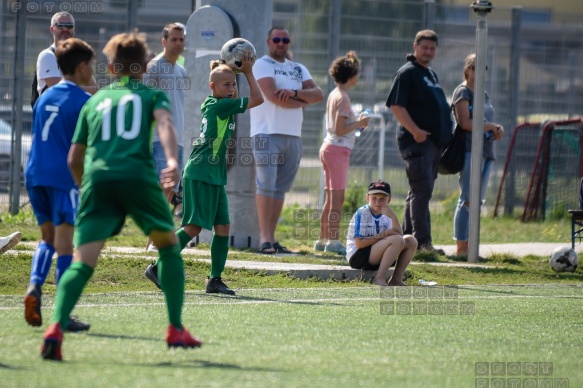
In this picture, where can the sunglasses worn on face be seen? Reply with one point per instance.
(277, 39)
(69, 26)
(474, 68)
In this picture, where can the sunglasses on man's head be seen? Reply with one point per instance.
(277, 39)
(70, 26)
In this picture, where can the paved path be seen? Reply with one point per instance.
(335, 269)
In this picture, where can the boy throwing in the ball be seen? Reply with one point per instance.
(375, 240)
(111, 160)
(205, 175)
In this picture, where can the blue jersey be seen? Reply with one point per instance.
(365, 224)
(54, 120)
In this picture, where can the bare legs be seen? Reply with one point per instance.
(268, 213)
(385, 252)
(331, 215)
(168, 194)
(461, 248)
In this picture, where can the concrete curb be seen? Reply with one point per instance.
(340, 272)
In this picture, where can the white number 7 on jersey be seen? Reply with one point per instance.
(54, 112)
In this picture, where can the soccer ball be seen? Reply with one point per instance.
(232, 53)
(564, 259)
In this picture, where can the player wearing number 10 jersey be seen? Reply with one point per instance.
(111, 159)
(52, 191)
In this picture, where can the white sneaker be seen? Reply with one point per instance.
(336, 247)
(9, 242)
(152, 248)
(318, 246)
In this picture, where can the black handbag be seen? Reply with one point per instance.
(453, 157)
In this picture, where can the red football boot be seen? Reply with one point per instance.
(181, 338)
(51, 349)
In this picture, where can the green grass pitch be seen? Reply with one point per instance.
(316, 337)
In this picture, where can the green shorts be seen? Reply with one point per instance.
(204, 205)
(103, 208)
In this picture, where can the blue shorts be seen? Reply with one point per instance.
(160, 160)
(277, 160)
(54, 205)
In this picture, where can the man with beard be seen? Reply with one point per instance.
(276, 128)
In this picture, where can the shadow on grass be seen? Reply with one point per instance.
(252, 298)
(125, 337)
(495, 271)
(427, 257)
(494, 259)
(6, 366)
(211, 364)
(565, 276)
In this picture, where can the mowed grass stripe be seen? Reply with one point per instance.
(300, 338)
(338, 295)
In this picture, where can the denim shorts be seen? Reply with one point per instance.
(160, 160)
(277, 160)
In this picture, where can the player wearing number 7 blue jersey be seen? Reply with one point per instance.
(52, 191)
(111, 159)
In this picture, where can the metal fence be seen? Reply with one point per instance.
(532, 59)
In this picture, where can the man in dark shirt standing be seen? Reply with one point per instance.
(418, 102)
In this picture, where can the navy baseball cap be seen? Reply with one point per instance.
(379, 187)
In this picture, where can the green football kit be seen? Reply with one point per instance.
(204, 200)
(119, 176)
(120, 179)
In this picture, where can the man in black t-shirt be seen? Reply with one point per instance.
(419, 103)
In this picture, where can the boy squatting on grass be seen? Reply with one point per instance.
(204, 203)
(375, 240)
(113, 141)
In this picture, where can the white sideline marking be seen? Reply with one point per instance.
(235, 300)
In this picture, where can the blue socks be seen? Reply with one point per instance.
(63, 262)
(41, 263)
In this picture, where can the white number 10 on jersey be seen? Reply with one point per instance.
(120, 119)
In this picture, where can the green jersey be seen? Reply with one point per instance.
(116, 126)
(208, 159)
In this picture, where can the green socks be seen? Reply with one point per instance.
(183, 238)
(219, 251)
(171, 277)
(69, 290)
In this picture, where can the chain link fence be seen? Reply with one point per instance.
(532, 60)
